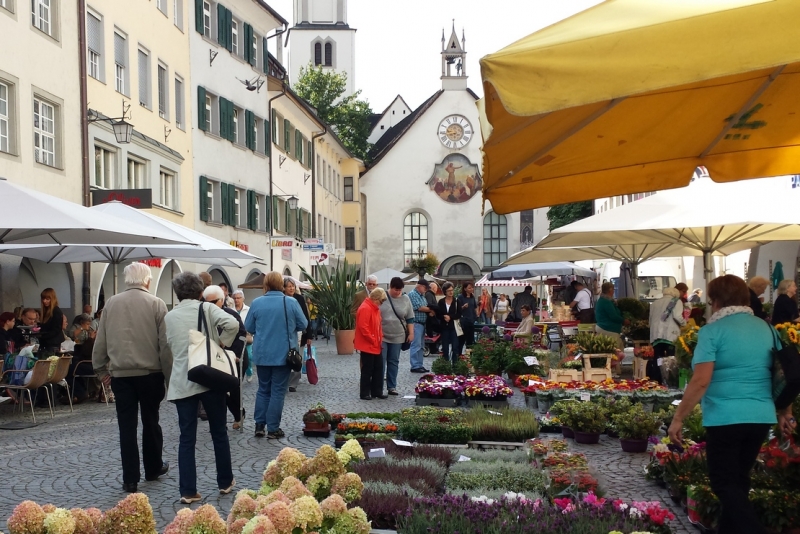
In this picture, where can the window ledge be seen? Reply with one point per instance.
(212, 135)
(240, 147)
(216, 224)
(46, 35)
(168, 209)
(259, 154)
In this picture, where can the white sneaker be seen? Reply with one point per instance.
(249, 378)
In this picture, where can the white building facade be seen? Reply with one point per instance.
(423, 190)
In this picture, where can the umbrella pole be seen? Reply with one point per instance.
(708, 260)
(114, 276)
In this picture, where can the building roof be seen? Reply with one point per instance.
(272, 12)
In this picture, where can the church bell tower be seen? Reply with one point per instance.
(454, 62)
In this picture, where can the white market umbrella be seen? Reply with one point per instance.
(702, 220)
(487, 282)
(411, 279)
(29, 217)
(386, 274)
(546, 269)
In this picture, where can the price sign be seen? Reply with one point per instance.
(532, 382)
(494, 413)
(377, 453)
(409, 396)
(463, 458)
(401, 443)
(676, 402)
(660, 362)
(585, 396)
(578, 356)
(531, 360)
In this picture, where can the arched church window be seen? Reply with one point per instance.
(495, 239)
(318, 54)
(328, 55)
(415, 236)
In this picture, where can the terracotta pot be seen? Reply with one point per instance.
(345, 340)
(587, 438)
(323, 427)
(633, 445)
(567, 432)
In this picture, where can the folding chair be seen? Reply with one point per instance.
(38, 379)
(87, 377)
(60, 378)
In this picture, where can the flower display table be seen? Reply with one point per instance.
(565, 375)
(439, 402)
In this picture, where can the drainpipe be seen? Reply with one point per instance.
(313, 180)
(272, 215)
(84, 106)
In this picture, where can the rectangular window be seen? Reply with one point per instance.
(5, 122)
(210, 201)
(137, 174)
(235, 37)
(319, 172)
(103, 167)
(162, 6)
(163, 92)
(40, 15)
(120, 63)
(177, 13)
(348, 188)
(235, 132)
(179, 103)
(144, 79)
(94, 41)
(167, 184)
(208, 113)
(237, 207)
(44, 132)
(350, 238)
(254, 53)
(207, 19)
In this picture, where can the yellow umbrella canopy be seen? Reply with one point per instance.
(633, 95)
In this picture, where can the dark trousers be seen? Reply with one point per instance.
(214, 403)
(371, 374)
(132, 393)
(732, 452)
(468, 338)
(450, 344)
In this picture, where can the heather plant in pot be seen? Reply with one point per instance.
(635, 426)
(588, 420)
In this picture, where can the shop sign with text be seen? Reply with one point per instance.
(281, 242)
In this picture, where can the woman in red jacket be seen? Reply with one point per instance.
(369, 335)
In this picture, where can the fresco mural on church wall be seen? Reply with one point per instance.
(456, 179)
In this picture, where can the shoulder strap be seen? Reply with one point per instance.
(402, 322)
(776, 341)
(286, 317)
(202, 325)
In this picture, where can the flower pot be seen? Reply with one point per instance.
(567, 432)
(647, 406)
(345, 340)
(633, 445)
(317, 426)
(532, 402)
(587, 438)
(544, 405)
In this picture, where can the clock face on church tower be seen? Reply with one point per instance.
(455, 131)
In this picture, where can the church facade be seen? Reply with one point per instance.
(423, 188)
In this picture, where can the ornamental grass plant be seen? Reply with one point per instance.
(512, 425)
(508, 476)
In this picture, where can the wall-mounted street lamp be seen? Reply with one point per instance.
(122, 129)
(291, 201)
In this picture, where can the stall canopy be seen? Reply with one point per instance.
(385, 275)
(632, 95)
(531, 270)
(701, 220)
(486, 282)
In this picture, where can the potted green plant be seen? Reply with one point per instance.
(333, 295)
(635, 426)
(317, 418)
(442, 366)
(612, 407)
(588, 421)
(562, 409)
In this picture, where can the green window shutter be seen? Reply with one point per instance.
(298, 145)
(300, 223)
(275, 213)
(229, 29)
(198, 16)
(232, 200)
(250, 125)
(265, 55)
(274, 126)
(201, 104)
(222, 32)
(268, 214)
(231, 133)
(226, 208)
(288, 218)
(267, 139)
(223, 121)
(203, 198)
(287, 142)
(310, 154)
(252, 220)
(248, 44)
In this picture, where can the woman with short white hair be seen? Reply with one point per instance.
(785, 309)
(757, 285)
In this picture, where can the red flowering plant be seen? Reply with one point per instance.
(645, 352)
(572, 479)
(778, 465)
(491, 386)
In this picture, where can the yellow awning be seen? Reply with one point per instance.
(632, 95)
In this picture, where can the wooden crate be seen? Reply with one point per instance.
(565, 375)
(587, 358)
(595, 375)
(639, 368)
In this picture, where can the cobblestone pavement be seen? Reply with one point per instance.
(73, 459)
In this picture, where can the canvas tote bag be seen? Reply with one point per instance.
(210, 365)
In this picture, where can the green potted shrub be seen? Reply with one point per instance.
(588, 421)
(561, 409)
(635, 426)
(442, 366)
(461, 368)
(333, 295)
(317, 418)
(612, 407)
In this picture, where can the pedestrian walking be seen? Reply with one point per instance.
(397, 323)
(131, 355)
(468, 305)
(368, 339)
(242, 309)
(222, 329)
(501, 308)
(290, 290)
(421, 311)
(485, 308)
(432, 325)
(274, 320)
(449, 313)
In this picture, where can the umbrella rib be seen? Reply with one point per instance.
(563, 137)
(513, 131)
(747, 105)
(4, 235)
(105, 254)
(57, 254)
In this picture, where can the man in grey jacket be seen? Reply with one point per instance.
(132, 356)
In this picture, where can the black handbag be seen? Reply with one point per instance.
(293, 358)
(406, 344)
(785, 373)
(206, 375)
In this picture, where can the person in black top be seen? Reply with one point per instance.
(785, 309)
(757, 285)
(468, 306)
(432, 326)
(290, 290)
(449, 313)
(51, 334)
(7, 324)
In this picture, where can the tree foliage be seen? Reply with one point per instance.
(564, 214)
(348, 115)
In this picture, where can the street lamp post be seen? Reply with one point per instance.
(122, 129)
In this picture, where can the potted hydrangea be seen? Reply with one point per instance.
(317, 419)
(635, 426)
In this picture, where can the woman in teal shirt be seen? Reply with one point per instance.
(733, 381)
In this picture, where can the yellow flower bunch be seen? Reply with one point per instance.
(788, 334)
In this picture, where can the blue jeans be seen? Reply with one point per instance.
(485, 318)
(390, 352)
(214, 404)
(417, 354)
(450, 344)
(273, 381)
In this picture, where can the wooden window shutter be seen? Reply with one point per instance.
(229, 30)
(248, 44)
(298, 145)
(274, 126)
(267, 139)
(252, 222)
(198, 16)
(300, 223)
(275, 216)
(309, 153)
(223, 117)
(203, 199)
(268, 213)
(201, 104)
(249, 125)
(287, 141)
(265, 55)
(288, 217)
(222, 30)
